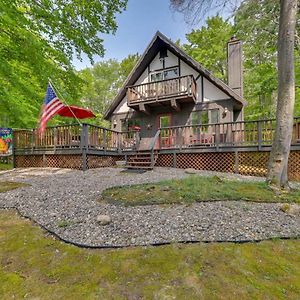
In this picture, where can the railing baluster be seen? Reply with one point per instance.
(259, 130)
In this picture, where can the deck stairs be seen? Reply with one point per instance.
(141, 160)
(145, 157)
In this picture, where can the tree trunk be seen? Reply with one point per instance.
(278, 163)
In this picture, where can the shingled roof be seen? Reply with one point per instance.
(159, 40)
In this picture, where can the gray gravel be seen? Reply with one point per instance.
(65, 203)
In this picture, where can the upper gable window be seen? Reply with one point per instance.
(164, 74)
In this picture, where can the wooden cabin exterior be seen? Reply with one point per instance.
(168, 88)
(170, 112)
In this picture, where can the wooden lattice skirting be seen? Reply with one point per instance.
(252, 163)
(247, 163)
(96, 161)
(70, 161)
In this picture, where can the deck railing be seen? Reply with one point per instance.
(92, 137)
(76, 136)
(159, 90)
(107, 139)
(232, 134)
(65, 136)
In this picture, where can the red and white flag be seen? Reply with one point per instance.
(52, 105)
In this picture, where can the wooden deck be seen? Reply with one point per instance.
(241, 147)
(76, 139)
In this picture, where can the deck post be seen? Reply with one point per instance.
(180, 138)
(55, 137)
(174, 160)
(84, 145)
(44, 161)
(104, 140)
(33, 140)
(236, 162)
(259, 134)
(217, 141)
(13, 150)
(119, 141)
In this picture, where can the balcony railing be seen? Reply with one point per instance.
(180, 87)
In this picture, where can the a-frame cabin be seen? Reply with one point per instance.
(169, 88)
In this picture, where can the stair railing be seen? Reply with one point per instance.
(152, 145)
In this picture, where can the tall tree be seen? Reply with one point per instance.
(216, 33)
(102, 83)
(277, 172)
(38, 39)
(127, 64)
(278, 165)
(256, 24)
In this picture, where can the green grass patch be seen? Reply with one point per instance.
(36, 266)
(8, 185)
(4, 166)
(194, 189)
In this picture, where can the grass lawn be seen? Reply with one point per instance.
(7, 185)
(196, 188)
(35, 266)
(4, 166)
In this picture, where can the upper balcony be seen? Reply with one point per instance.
(171, 92)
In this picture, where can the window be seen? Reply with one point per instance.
(158, 76)
(131, 124)
(170, 74)
(165, 121)
(165, 74)
(199, 117)
(204, 117)
(236, 114)
(214, 116)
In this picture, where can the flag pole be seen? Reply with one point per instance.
(40, 115)
(62, 98)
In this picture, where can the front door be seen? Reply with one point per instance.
(165, 140)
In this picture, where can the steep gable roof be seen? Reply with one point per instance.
(159, 40)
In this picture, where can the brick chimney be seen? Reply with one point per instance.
(235, 65)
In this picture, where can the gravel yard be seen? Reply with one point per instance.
(65, 203)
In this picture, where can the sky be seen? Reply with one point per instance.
(137, 26)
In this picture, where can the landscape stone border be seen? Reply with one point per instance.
(65, 203)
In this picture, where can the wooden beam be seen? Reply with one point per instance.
(143, 108)
(175, 105)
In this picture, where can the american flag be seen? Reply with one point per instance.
(52, 105)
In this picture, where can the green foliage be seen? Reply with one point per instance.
(36, 266)
(127, 64)
(5, 166)
(195, 189)
(208, 45)
(37, 41)
(102, 83)
(256, 24)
